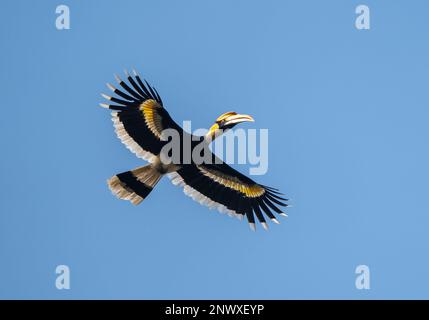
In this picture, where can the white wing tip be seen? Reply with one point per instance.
(110, 87)
(105, 96)
(117, 78)
(252, 226)
(275, 220)
(104, 105)
(283, 214)
(264, 225)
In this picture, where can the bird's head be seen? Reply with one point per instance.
(225, 122)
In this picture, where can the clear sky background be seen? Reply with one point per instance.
(347, 113)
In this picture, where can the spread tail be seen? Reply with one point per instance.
(134, 185)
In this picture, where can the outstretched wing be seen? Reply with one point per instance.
(138, 116)
(222, 187)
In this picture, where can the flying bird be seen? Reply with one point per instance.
(139, 118)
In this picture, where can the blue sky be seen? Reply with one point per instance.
(347, 112)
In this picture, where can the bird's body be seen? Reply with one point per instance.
(141, 123)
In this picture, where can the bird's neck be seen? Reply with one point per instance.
(213, 133)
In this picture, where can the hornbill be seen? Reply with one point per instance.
(139, 118)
